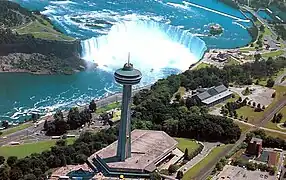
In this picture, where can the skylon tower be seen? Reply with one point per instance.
(127, 76)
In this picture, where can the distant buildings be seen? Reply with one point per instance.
(220, 57)
(211, 96)
(254, 147)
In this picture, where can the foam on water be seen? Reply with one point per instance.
(63, 2)
(153, 47)
(157, 48)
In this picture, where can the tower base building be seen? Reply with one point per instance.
(148, 149)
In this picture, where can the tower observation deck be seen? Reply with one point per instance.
(142, 155)
(127, 76)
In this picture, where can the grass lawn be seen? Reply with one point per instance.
(247, 111)
(190, 174)
(267, 31)
(275, 134)
(181, 90)
(109, 107)
(242, 126)
(232, 61)
(42, 30)
(232, 99)
(272, 125)
(273, 54)
(202, 65)
(184, 143)
(24, 150)
(247, 49)
(16, 128)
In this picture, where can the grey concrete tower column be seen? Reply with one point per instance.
(127, 76)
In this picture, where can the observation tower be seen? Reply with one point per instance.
(127, 76)
(137, 153)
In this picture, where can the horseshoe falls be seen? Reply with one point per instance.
(154, 48)
(163, 37)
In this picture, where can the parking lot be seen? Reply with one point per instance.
(259, 94)
(238, 173)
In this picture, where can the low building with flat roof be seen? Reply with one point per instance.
(212, 96)
(148, 149)
(272, 158)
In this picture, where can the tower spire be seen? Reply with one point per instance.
(127, 76)
(128, 63)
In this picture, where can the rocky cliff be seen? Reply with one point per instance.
(22, 51)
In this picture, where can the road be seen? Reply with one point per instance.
(278, 80)
(261, 20)
(16, 136)
(32, 129)
(267, 116)
(208, 147)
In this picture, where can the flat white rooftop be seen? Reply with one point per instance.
(147, 148)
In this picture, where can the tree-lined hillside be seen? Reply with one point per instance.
(12, 14)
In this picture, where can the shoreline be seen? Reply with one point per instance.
(115, 94)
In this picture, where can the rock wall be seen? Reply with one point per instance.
(61, 49)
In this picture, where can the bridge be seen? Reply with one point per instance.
(217, 12)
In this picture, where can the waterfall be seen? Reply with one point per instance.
(152, 45)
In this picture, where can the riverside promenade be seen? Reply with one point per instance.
(116, 97)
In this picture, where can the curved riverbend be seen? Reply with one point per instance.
(99, 23)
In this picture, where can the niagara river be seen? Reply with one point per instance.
(163, 38)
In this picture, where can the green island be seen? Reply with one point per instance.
(215, 29)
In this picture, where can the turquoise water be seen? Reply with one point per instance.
(164, 38)
(80, 175)
(278, 12)
(264, 15)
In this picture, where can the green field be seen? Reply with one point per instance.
(247, 111)
(24, 150)
(273, 54)
(243, 127)
(232, 99)
(275, 134)
(16, 128)
(232, 61)
(109, 107)
(181, 90)
(202, 65)
(184, 143)
(40, 28)
(267, 31)
(190, 174)
(247, 49)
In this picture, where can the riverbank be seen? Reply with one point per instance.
(29, 43)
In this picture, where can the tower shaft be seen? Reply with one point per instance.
(124, 140)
